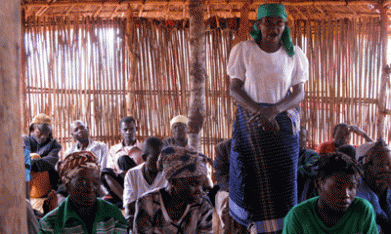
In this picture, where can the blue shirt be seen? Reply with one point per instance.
(383, 214)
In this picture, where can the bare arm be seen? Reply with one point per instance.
(270, 112)
(241, 97)
(130, 209)
(360, 132)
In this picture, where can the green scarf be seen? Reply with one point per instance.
(274, 10)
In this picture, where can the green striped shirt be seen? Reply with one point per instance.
(63, 219)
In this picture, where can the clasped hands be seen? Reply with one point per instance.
(265, 118)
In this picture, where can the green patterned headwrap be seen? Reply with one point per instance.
(274, 10)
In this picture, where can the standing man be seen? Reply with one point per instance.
(81, 134)
(179, 132)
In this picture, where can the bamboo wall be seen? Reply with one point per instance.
(99, 71)
(345, 72)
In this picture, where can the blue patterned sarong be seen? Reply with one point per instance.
(263, 171)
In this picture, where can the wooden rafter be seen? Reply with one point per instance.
(176, 9)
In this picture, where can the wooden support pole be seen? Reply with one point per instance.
(12, 175)
(243, 31)
(384, 77)
(197, 72)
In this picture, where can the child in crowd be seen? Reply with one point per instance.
(336, 209)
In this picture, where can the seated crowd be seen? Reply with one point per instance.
(160, 185)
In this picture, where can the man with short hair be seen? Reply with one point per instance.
(81, 134)
(178, 126)
(341, 136)
(116, 159)
(129, 145)
(143, 178)
(375, 185)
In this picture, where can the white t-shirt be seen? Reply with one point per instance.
(136, 185)
(100, 149)
(267, 77)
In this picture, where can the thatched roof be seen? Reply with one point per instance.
(179, 9)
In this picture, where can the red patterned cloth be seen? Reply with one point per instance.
(75, 162)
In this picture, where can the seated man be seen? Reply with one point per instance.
(45, 148)
(82, 211)
(179, 132)
(143, 178)
(83, 143)
(306, 171)
(336, 209)
(375, 158)
(180, 207)
(117, 156)
(228, 224)
(81, 134)
(341, 136)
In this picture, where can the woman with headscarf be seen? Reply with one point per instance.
(82, 211)
(181, 207)
(267, 83)
(375, 186)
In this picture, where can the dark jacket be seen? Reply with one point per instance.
(48, 152)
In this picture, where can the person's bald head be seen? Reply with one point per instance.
(341, 134)
(79, 131)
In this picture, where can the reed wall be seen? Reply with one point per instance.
(99, 71)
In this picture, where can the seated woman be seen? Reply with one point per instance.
(82, 211)
(375, 158)
(181, 207)
(40, 141)
(336, 209)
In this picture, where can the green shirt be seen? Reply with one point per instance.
(63, 219)
(358, 218)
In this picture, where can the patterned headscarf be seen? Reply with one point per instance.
(274, 10)
(75, 162)
(181, 162)
(365, 153)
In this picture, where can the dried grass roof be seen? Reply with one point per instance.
(179, 9)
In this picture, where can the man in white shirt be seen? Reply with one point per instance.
(143, 178)
(81, 134)
(129, 145)
(116, 164)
